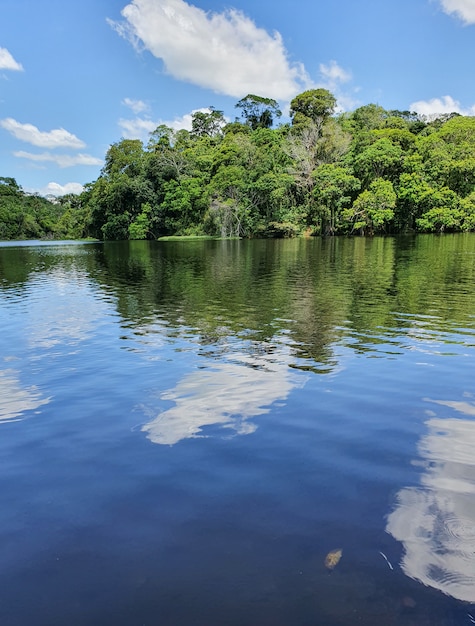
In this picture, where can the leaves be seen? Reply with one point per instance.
(367, 172)
(333, 558)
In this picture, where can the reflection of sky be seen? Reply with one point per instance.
(436, 521)
(15, 400)
(228, 394)
(64, 311)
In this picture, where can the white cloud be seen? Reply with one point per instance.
(7, 62)
(435, 520)
(15, 400)
(463, 9)
(140, 128)
(57, 138)
(225, 52)
(439, 106)
(227, 396)
(137, 128)
(137, 106)
(62, 160)
(185, 121)
(55, 189)
(334, 74)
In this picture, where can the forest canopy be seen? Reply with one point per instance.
(369, 171)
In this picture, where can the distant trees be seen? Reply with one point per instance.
(369, 171)
(26, 216)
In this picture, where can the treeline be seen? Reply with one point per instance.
(371, 171)
(30, 216)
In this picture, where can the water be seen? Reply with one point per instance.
(188, 428)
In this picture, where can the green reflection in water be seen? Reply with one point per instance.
(361, 293)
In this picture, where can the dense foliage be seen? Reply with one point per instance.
(370, 171)
(30, 216)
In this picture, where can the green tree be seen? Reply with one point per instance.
(373, 209)
(334, 190)
(314, 105)
(381, 159)
(259, 112)
(124, 157)
(441, 211)
(207, 123)
(412, 191)
(139, 228)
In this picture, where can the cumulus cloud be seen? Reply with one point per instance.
(62, 160)
(55, 189)
(226, 52)
(439, 106)
(137, 106)
(7, 62)
(140, 128)
(463, 9)
(57, 138)
(333, 77)
(334, 74)
(137, 128)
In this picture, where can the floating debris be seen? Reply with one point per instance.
(386, 559)
(333, 558)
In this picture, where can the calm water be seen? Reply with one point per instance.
(187, 429)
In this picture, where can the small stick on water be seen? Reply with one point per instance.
(386, 559)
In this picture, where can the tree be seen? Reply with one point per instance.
(207, 123)
(334, 189)
(467, 209)
(448, 155)
(381, 159)
(140, 227)
(124, 157)
(259, 112)
(441, 211)
(412, 190)
(160, 138)
(368, 117)
(314, 105)
(373, 209)
(9, 185)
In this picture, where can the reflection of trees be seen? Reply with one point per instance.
(436, 521)
(20, 262)
(320, 292)
(362, 293)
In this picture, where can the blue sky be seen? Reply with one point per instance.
(78, 75)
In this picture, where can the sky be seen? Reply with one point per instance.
(79, 75)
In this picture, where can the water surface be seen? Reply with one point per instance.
(188, 428)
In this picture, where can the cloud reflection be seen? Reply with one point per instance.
(436, 521)
(15, 401)
(228, 394)
(66, 312)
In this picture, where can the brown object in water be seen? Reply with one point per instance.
(333, 558)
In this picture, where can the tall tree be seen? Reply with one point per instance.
(314, 105)
(207, 123)
(259, 112)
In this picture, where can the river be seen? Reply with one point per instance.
(188, 428)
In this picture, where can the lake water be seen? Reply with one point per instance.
(188, 428)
